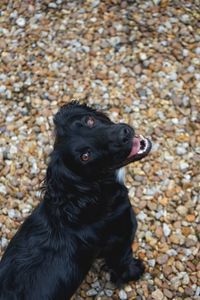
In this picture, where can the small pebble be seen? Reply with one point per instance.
(122, 295)
(162, 259)
(166, 229)
(21, 22)
(143, 56)
(168, 293)
(183, 166)
(3, 242)
(185, 18)
(3, 189)
(157, 295)
(182, 210)
(108, 293)
(181, 150)
(91, 292)
(2, 89)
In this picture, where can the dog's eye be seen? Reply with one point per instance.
(85, 156)
(90, 122)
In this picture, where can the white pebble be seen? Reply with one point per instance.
(21, 22)
(128, 288)
(27, 208)
(86, 49)
(13, 149)
(156, 2)
(28, 81)
(9, 118)
(101, 30)
(159, 214)
(186, 178)
(96, 285)
(191, 69)
(118, 26)
(115, 40)
(197, 150)
(166, 229)
(151, 191)
(183, 166)
(52, 5)
(122, 295)
(143, 56)
(34, 169)
(169, 157)
(172, 252)
(11, 213)
(152, 263)
(185, 100)
(148, 235)
(197, 291)
(95, 3)
(197, 50)
(2, 89)
(185, 18)
(181, 150)
(185, 279)
(173, 76)
(175, 121)
(3, 189)
(187, 251)
(164, 43)
(185, 52)
(40, 120)
(91, 292)
(108, 293)
(93, 19)
(3, 242)
(141, 216)
(161, 29)
(14, 14)
(161, 115)
(155, 147)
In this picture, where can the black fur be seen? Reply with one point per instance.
(85, 213)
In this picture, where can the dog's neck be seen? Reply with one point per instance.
(120, 175)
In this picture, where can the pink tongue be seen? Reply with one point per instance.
(135, 147)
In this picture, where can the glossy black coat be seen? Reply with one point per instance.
(85, 213)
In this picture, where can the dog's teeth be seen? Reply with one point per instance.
(141, 151)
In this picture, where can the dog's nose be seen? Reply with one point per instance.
(124, 134)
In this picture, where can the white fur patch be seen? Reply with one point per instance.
(120, 174)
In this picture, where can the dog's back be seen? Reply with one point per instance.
(36, 265)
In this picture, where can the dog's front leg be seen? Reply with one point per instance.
(124, 267)
(119, 258)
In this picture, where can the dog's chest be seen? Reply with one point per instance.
(120, 175)
(116, 195)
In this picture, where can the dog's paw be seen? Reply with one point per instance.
(133, 272)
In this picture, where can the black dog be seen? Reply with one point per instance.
(85, 212)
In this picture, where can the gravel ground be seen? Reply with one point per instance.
(140, 62)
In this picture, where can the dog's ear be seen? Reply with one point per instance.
(66, 109)
(61, 117)
(59, 178)
(65, 193)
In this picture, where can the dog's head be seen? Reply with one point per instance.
(91, 145)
